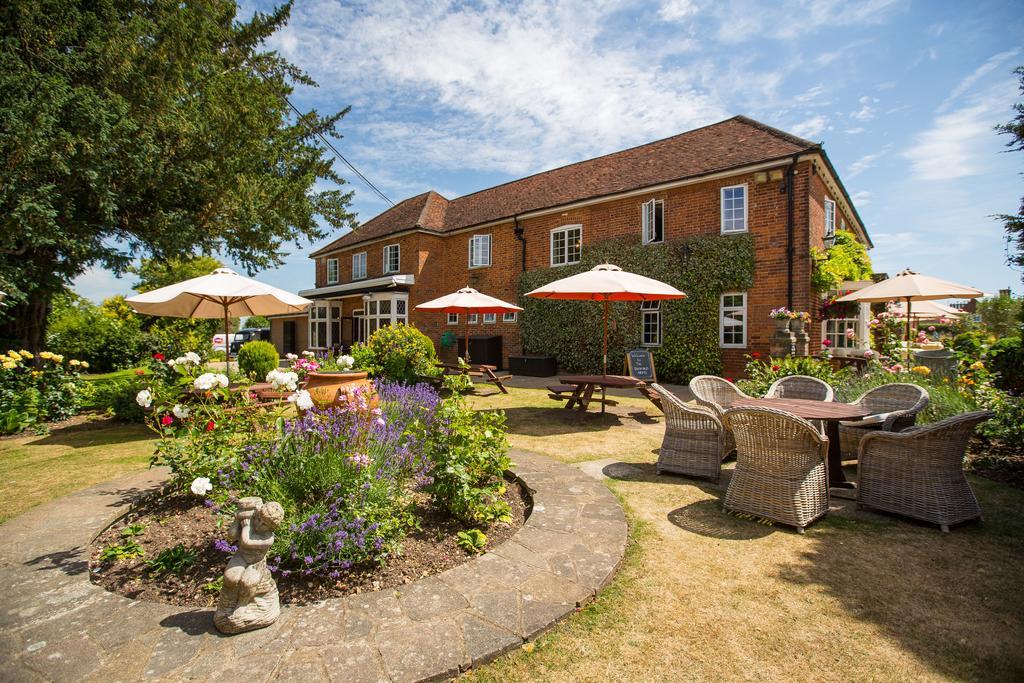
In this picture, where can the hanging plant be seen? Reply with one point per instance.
(847, 259)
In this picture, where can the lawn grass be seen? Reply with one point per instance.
(35, 469)
(707, 595)
(110, 376)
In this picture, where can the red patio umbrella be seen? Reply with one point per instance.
(467, 300)
(607, 282)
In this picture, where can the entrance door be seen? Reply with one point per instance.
(358, 326)
(289, 336)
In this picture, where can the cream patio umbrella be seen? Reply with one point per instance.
(222, 293)
(467, 300)
(606, 283)
(908, 287)
(929, 310)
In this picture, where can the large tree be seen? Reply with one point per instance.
(148, 127)
(1014, 224)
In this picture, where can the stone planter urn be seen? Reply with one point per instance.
(336, 389)
(797, 325)
(782, 325)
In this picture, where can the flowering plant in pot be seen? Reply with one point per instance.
(781, 316)
(799, 320)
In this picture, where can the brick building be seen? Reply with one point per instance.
(734, 176)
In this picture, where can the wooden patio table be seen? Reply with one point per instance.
(477, 370)
(829, 412)
(584, 386)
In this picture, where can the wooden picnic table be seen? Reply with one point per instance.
(477, 370)
(829, 412)
(858, 363)
(579, 389)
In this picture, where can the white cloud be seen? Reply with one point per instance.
(811, 96)
(867, 109)
(865, 162)
(950, 148)
(678, 10)
(854, 131)
(967, 83)
(743, 20)
(861, 198)
(97, 284)
(809, 127)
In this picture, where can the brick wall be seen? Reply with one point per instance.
(441, 263)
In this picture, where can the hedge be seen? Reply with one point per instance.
(703, 267)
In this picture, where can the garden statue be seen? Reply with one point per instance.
(249, 598)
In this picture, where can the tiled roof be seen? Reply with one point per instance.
(732, 143)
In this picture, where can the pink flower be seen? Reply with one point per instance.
(210, 425)
(826, 343)
(166, 420)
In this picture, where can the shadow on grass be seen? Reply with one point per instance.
(529, 421)
(88, 434)
(707, 518)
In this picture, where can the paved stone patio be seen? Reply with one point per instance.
(56, 625)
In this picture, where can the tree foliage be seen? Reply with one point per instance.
(1014, 224)
(847, 259)
(149, 127)
(1001, 315)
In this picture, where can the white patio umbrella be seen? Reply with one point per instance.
(606, 283)
(909, 286)
(222, 293)
(929, 309)
(467, 300)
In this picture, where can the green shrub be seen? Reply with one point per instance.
(761, 374)
(79, 329)
(118, 397)
(257, 358)
(1007, 427)
(945, 399)
(400, 353)
(969, 346)
(1006, 357)
(468, 451)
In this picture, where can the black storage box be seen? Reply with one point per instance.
(533, 365)
(484, 349)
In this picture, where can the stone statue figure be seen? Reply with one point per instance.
(249, 598)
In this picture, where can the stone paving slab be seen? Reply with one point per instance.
(55, 625)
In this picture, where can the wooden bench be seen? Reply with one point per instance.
(484, 371)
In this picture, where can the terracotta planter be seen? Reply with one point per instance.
(334, 389)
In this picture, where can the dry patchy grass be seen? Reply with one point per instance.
(35, 469)
(706, 595)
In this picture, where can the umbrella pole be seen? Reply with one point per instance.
(909, 318)
(227, 343)
(605, 356)
(467, 337)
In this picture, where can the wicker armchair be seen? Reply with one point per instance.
(801, 386)
(919, 472)
(895, 406)
(719, 395)
(780, 472)
(695, 440)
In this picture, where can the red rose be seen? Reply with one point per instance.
(755, 354)
(776, 368)
(210, 425)
(158, 356)
(166, 420)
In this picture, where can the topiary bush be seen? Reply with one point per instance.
(257, 358)
(1006, 357)
(400, 353)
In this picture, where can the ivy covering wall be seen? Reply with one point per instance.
(702, 267)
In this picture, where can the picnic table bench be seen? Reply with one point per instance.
(477, 370)
(578, 390)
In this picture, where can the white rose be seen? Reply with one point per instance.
(204, 382)
(221, 379)
(144, 398)
(181, 412)
(291, 356)
(201, 486)
(302, 400)
(172, 363)
(308, 354)
(346, 362)
(193, 357)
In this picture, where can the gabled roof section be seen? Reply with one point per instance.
(424, 211)
(728, 144)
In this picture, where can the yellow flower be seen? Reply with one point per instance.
(921, 370)
(26, 355)
(14, 355)
(9, 365)
(74, 362)
(85, 364)
(56, 358)
(36, 373)
(977, 365)
(45, 355)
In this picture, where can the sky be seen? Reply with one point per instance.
(461, 96)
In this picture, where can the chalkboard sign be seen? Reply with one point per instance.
(640, 364)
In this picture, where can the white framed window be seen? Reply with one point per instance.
(732, 320)
(653, 221)
(472, 318)
(734, 208)
(490, 318)
(453, 318)
(650, 329)
(509, 317)
(830, 218)
(319, 325)
(479, 251)
(359, 266)
(381, 310)
(332, 271)
(392, 258)
(566, 245)
(834, 329)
